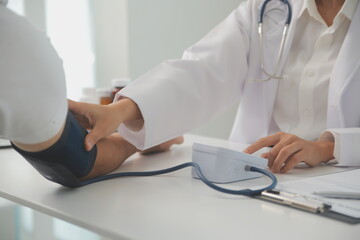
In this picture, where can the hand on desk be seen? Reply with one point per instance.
(289, 150)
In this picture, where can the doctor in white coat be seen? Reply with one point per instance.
(308, 111)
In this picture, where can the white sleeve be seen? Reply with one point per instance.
(33, 103)
(179, 95)
(347, 145)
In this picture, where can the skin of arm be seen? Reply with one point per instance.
(114, 150)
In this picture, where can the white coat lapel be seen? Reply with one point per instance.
(346, 65)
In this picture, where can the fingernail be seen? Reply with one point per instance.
(246, 151)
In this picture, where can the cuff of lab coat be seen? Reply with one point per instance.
(346, 152)
(136, 138)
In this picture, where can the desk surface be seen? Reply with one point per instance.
(172, 206)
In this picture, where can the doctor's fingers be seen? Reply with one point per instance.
(262, 142)
(94, 115)
(285, 140)
(103, 127)
(76, 107)
(79, 110)
(293, 161)
(99, 119)
(286, 155)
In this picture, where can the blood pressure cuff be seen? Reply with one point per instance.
(67, 160)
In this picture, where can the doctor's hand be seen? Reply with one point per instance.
(103, 120)
(289, 150)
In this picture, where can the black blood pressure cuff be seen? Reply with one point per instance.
(67, 160)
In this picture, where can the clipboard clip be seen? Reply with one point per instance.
(295, 200)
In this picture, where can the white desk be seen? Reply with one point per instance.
(172, 206)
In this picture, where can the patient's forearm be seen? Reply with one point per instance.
(112, 151)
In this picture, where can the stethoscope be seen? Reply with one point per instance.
(282, 44)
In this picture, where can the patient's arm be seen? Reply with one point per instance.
(66, 150)
(114, 150)
(37, 120)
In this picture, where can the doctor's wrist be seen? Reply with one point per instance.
(327, 150)
(129, 113)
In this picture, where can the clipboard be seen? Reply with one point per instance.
(301, 194)
(306, 204)
(4, 144)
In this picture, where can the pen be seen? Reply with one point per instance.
(5, 147)
(295, 201)
(340, 195)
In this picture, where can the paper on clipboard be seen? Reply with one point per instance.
(348, 181)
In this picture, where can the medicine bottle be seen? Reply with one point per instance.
(118, 84)
(104, 96)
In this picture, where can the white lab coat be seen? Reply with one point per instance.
(179, 95)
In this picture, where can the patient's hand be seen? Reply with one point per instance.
(114, 150)
(163, 146)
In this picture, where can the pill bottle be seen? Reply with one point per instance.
(88, 95)
(104, 96)
(117, 85)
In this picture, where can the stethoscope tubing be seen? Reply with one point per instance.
(282, 43)
(263, 9)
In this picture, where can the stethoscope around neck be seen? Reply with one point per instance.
(274, 75)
